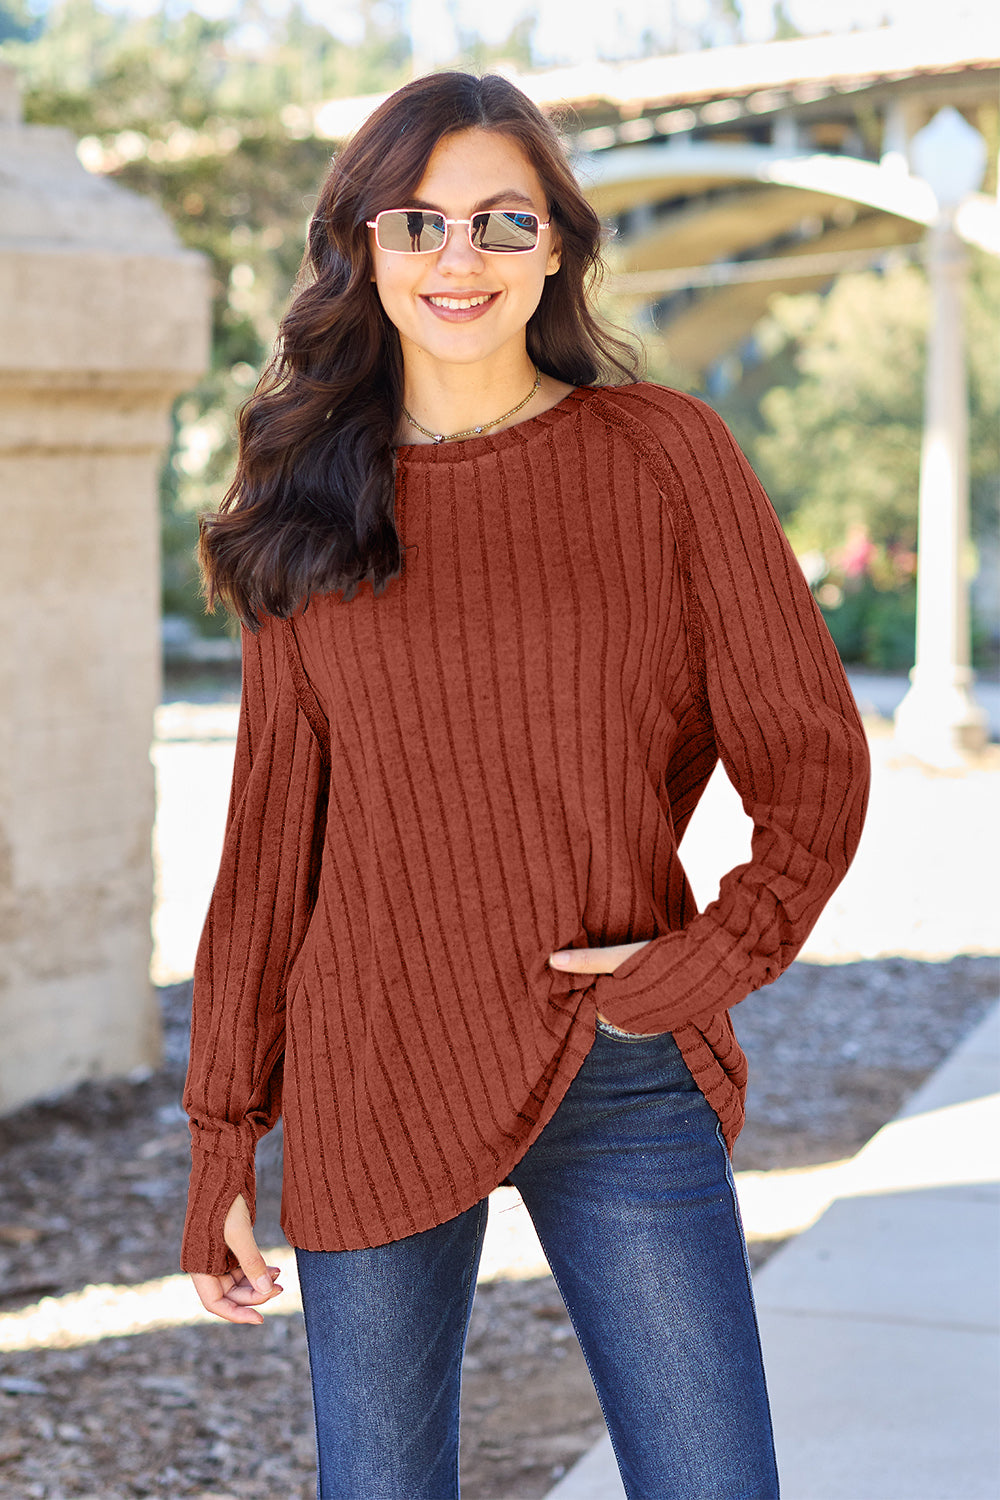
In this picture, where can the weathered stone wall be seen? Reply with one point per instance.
(103, 320)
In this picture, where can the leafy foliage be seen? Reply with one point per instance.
(840, 446)
(210, 119)
(830, 412)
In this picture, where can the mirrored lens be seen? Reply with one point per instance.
(504, 233)
(409, 229)
(419, 231)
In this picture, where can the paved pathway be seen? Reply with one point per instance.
(881, 1324)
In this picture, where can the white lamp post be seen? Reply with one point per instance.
(939, 717)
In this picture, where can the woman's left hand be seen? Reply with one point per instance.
(594, 960)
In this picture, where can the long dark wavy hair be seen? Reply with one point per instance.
(311, 506)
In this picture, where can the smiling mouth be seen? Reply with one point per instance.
(461, 304)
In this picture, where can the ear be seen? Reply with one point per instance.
(555, 259)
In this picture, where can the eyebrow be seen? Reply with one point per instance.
(510, 198)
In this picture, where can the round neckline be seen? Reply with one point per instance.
(477, 447)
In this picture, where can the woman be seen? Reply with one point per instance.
(451, 939)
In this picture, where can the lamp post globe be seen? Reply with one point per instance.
(950, 155)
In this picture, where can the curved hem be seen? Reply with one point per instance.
(496, 1177)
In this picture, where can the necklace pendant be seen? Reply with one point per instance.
(439, 437)
(477, 429)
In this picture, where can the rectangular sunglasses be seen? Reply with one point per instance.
(418, 231)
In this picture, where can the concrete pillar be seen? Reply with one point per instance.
(899, 124)
(939, 719)
(103, 321)
(786, 135)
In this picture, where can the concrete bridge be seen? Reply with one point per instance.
(736, 172)
(730, 176)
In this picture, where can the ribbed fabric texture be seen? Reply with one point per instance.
(436, 789)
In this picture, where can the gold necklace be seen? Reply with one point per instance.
(451, 437)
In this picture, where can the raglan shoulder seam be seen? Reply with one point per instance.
(305, 694)
(664, 475)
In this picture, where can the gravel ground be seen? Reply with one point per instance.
(92, 1184)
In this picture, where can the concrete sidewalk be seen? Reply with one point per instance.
(880, 1324)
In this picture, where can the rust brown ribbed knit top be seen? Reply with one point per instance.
(436, 789)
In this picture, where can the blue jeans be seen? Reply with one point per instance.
(630, 1189)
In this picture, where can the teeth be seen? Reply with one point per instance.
(455, 304)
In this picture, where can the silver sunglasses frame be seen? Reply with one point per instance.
(373, 224)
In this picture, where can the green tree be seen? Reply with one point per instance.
(835, 436)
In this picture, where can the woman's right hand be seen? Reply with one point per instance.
(237, 1297)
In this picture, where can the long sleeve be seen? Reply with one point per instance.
(785, 725)
(256, 921)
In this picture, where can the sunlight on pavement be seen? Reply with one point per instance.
(511, 1252)
(106, 1311)
(917, 1152)
(956, 1146)
(193, 758)
(914, 1154)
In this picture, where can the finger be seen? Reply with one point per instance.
(593, 960)
(250, 1294)
(215, 1295)
(257, 1280)
(239, 1236)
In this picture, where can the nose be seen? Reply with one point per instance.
(458, 254)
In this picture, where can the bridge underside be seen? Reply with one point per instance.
(756, 222)
(719, 198)
(673, 223)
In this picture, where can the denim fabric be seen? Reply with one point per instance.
(631, 1192)
(609, 1029)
